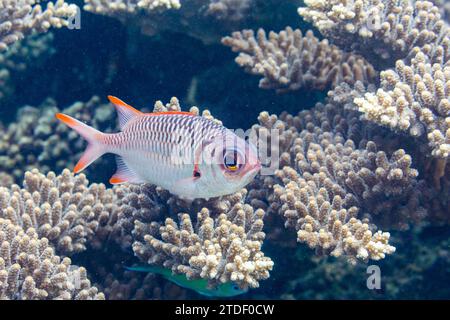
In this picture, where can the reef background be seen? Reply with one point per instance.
(107, 57)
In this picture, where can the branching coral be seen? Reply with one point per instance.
(30, 270)
(222, 244)
(444, 5)
(289, 60)
(229, 9)
(208, 20)
(63, 209)
(36, 140)
(21, 18)
(382, 31)
(331, 191)
(414, 99)
(117, 7)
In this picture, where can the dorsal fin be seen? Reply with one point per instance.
(124, 111)
(186, 113)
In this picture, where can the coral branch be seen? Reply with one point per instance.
(289, 60)
(19, 18)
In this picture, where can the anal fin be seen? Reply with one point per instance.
(124, 173)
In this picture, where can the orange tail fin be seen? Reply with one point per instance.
(95, 148)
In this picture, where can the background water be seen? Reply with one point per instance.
(106, 57)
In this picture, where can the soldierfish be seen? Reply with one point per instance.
(189, 155)
(228, 289)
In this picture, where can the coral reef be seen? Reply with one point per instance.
(415, 99)
(221, 249)
(118, 7)
(21, 18)
(381, 31)
(357, 177)
(208, 20)
(30, 270)
(326, 184)
(36, 140)
(289, 60)
(63, 209)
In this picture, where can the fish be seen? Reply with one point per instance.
(223, 290)
(189, 155)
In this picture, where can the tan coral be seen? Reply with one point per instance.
(21, 18)
(414, 98)
(117, 7)
(331, 191)
(222, 249)
(289, 60)
(29, 269)
(63, 209)
(382, 31)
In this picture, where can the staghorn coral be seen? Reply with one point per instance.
(289, 60)
(63, 209)
(414, 98)
(37, 140)
(21, 18)
(381, 31)
(29, 269)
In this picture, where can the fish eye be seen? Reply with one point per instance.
(232, 160)
(236, 287)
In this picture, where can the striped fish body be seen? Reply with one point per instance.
(189, 155)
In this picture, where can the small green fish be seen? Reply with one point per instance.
(228, 289)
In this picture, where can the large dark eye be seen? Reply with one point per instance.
(231, 160)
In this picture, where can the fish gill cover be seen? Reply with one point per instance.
(354, 96)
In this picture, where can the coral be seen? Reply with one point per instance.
(208, 20)
(30, 270)
(6, 180)
(118, 7)
(381, 31)
(414, 98)
(37, 140)
(229, 9)
(21, 18)
(63, 209)
(444, 6)
(332, 189)
(222, 244)
(107, 267)
(289, 60)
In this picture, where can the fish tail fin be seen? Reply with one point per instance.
(95, 148)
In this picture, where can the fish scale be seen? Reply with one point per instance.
(169, 149)
(151, 138)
